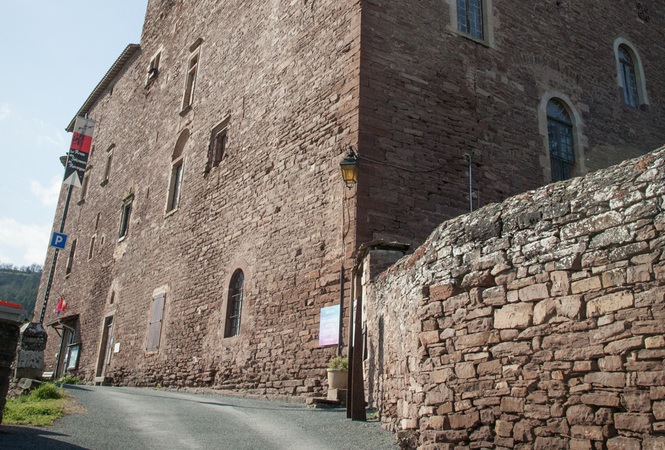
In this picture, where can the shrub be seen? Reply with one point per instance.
(339, 362)
(47, 391)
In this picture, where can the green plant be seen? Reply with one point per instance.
(339, 362)
(41, 407)
(68, 379)
(47, 391)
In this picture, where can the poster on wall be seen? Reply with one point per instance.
(329, 326)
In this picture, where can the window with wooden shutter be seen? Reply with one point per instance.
(155, 327)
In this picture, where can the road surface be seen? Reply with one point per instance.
(135, 418)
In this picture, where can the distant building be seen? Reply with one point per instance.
(213, 224)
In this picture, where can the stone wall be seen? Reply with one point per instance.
(534, 323)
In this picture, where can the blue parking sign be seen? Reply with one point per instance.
(59, 240)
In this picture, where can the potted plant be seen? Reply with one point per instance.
(337, 372)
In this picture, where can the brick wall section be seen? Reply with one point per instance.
(285, 76)
(534, 323)
(429, 95)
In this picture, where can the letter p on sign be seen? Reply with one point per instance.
(59, 240)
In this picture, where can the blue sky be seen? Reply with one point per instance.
(53, 55)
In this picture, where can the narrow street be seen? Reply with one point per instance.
(135, 418)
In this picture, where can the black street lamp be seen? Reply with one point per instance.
(349, 168)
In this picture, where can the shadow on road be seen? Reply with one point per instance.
(29, 438)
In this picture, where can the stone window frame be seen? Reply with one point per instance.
(125, 217)
(217, 149)
(109, 163)
(91, 248)
(177, 173)
(153, 67)
(487, 22)
(234, 303)
(85, 185)
(640, 80)
(70, 259)
(579, 139)
(191, 76)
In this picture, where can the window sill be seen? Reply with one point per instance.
(171, 212)
(484, 42)
(185, 110)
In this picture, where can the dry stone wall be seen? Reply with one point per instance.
(535, 323)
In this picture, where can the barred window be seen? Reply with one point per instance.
(561, 143)
(470, 18)
(234, 304)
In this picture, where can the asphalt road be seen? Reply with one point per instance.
(134, 418)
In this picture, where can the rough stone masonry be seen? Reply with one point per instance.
(537, 323)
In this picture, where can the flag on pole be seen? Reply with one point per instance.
(61, 306)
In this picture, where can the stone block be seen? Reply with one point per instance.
(580, 415)
(465, 370)
(652, 378)
(512, 405)
(601, 399)
(623, 346)
(609, 303)
(636, 401)
(611, 363)
(438, 422)
(586, 285)
(544, 311)
(466, 420)
(429, 337)
(659, 410)
(637, 423)
(649, 327)
(580, 444)
(606, 379)
(517, 315)
(591, 432)
(494, 296)
(551, 443)
(653, 342)
(534, 292)
(653, 443)
(623, 443)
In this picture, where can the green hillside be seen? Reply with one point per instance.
(20, 286)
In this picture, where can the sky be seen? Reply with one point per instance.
(52, 55)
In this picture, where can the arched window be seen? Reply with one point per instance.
(561, 142)
(234, 304)
(628, 76)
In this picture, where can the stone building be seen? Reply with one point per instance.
(213, 225)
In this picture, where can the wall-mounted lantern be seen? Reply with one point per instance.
(349, 168)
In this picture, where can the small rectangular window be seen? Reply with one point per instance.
(218, 141)
(190, 82)
(155, 325)
(109, 161)
(91, 251)
(84, 185)
(70, 259)
(153, 69)
(175, 185)
(125, 216)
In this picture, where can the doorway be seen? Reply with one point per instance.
(105, 350)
